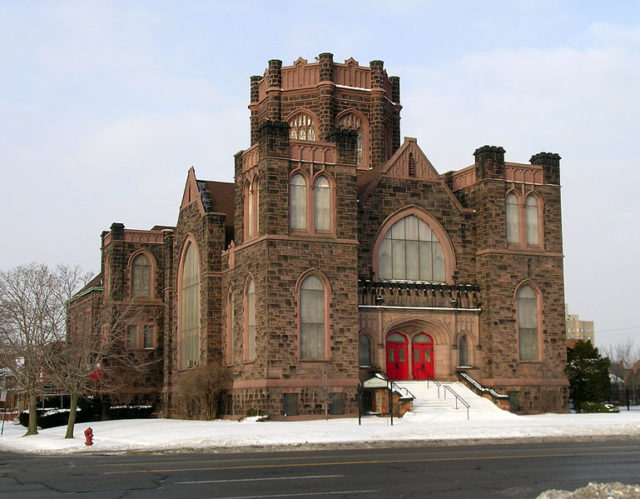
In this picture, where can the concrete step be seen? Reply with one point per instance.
(429, 398)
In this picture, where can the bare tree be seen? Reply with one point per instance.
(94, 360)
(32, 322)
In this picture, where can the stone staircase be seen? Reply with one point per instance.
(429, 399)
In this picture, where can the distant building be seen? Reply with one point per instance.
(577, 329)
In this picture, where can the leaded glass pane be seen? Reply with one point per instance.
(411, 228)
(384, 259)
(231, 317)
(141, 276)
(462, 352)
(397, 231)
(413, 260)
(438, 262)
(411, 251)
(322, 195)
(302, 128)
(513, 230)
(398, 255)
(251, 321)
(298, 202)
(532, 220)
(132, 337)
(312, 326)
(422, 338)
(148, 336)
(528, 323)
(424, 232)
(364, 351)
(396, 338)
(251, 220)
(426, 260)
(190, 309)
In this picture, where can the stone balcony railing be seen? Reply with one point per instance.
(412, 294)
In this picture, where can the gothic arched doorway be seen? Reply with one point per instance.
(422, 351)
(397, 356)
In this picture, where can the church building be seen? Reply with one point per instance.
(340, 250)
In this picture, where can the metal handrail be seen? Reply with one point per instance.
(408, 394)
(481, 388)
(458, 397)
(437, 383)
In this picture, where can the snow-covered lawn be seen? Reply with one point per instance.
(171, 434)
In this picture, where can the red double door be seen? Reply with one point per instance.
(398, 356)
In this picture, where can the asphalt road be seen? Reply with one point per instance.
(516, 470)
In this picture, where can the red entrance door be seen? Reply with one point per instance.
(422, 348)
(397, 356)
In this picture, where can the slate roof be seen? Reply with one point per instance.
(218, 197)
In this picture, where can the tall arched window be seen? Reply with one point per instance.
(298, 202)
(302, 127)
(251, 321)
(322, 195)
(513, 225)
(352, 122)
(411, 251)
(231, 319)
(463, 352)
(312, 326)
(528, 323)
(364, 351)
(141, 276)
(190, 309)
(256, 200)
(531, 205)
(251, 229)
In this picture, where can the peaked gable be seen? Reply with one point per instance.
(191, 191)
(410, 162)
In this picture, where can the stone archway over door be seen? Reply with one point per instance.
(422, 356)
(397, 356)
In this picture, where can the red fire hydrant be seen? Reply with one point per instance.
(88, 436)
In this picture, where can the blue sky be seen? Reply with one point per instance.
(105, 105)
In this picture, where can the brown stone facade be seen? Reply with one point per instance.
(336, 127)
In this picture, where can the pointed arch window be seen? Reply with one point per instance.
(252, 208)
(411, 251)
(231, 319)
(141, 276)
(190, 309)
(251, 321)
(312, 319)
(527, 304)
(252, 215)
(322, 205)
(531, 215)
(302, 127)
(513, 215)
(298, 202)
(352, 122)
(463, 352)
(364, 351)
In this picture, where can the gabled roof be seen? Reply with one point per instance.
(408, 162)
(95, 284)
(212, 197)
(218, 197)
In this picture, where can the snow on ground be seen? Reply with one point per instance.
(432, 421)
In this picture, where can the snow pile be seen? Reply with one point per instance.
(615, 490)
(432, 423)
